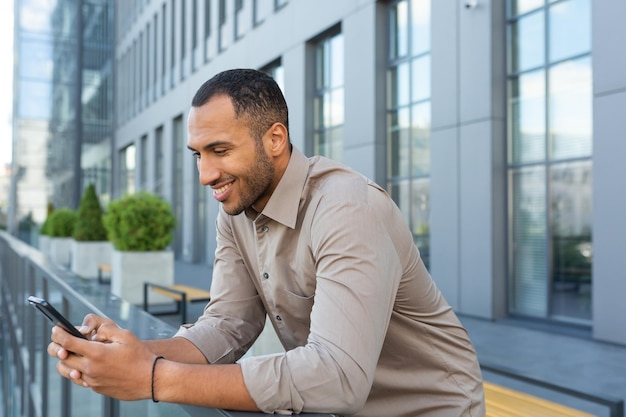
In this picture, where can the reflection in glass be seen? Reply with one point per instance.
(400, 193)
(527, 118)
(399, 42)
(550, 122)
(528, 250)
(571, 109)
(527, 47)
(35, 99)
(518, 7)
(408, 111)
(398, 85)
(420, 216)
(420, 26)
(421, 79)
(328, 100)
(398, 143)
(570, 29)
(336, 70)
(570, 190)
(127, 169)
(420, 139)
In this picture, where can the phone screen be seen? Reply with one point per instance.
(54, 316)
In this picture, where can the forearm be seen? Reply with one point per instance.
(176, 349)
(216, 386)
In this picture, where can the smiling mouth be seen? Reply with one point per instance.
(222, 189)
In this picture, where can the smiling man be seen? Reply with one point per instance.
(321, 251)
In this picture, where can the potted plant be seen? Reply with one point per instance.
(90, 247)
(44, 232)
(61, 228)
(140, 227)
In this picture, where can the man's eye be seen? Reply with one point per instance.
(219, 151)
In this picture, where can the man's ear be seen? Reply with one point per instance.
(277, 139)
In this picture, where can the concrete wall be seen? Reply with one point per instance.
(609, 151)
(468, 187)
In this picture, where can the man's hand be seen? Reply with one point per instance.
(119, 367)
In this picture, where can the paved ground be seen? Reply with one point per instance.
(569, 359)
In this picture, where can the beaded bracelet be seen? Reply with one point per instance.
(152, 383)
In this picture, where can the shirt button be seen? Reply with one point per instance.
(266, 275)
(278, 318)
(265, 229)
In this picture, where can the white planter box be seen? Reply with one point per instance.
(61, 250)
(44, 244)
(86, 256)
(129, 271)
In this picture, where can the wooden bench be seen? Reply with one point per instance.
(506, 402)
(181, 294)
(102, 269)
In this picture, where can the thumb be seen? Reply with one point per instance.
(110, 332)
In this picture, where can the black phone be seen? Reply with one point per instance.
(54, 316)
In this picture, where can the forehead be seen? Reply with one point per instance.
(217, 108)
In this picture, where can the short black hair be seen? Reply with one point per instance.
(254, 94)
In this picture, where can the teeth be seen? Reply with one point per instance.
(221, 189)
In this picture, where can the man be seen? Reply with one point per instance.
(320, 250)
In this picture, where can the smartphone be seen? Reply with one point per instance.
(54, 316)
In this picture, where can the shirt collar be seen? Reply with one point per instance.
(285, 200)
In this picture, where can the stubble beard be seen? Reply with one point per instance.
(258, 179)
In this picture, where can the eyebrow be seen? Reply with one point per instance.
(211, 145)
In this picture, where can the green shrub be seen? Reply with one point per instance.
(139, 222)
(45, 228)
(61, 223)
(89, 226)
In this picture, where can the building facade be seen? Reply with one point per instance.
(494, 125)
(63, 105)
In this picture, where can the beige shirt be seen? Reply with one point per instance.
(331, 262)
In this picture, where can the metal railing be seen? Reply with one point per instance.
(29, 383)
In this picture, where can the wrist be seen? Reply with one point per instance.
(153, 378)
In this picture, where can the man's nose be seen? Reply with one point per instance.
(208, 172)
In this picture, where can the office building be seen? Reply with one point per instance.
(63, 98)
(494, 125)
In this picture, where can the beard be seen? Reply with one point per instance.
(255, 182)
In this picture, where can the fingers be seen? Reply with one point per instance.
(91, 324)
(72, 374)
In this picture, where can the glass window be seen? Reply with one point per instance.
(277, 72)
(420, 75)
(222, 25)
(409, 115)
(420, 139)
(550, 149)
(571, 246)
(262, 9)
(240, 17)
(399, 16)
(570, 29)
(529, 292)
(527, 121)
(518, 7)
(180, 150)
(207, 28)
(420, 27)
(571, 108)
(127, 169)
(328, 102)
(143, 163)
(527, 47)
(164, 37)
(158, 161)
